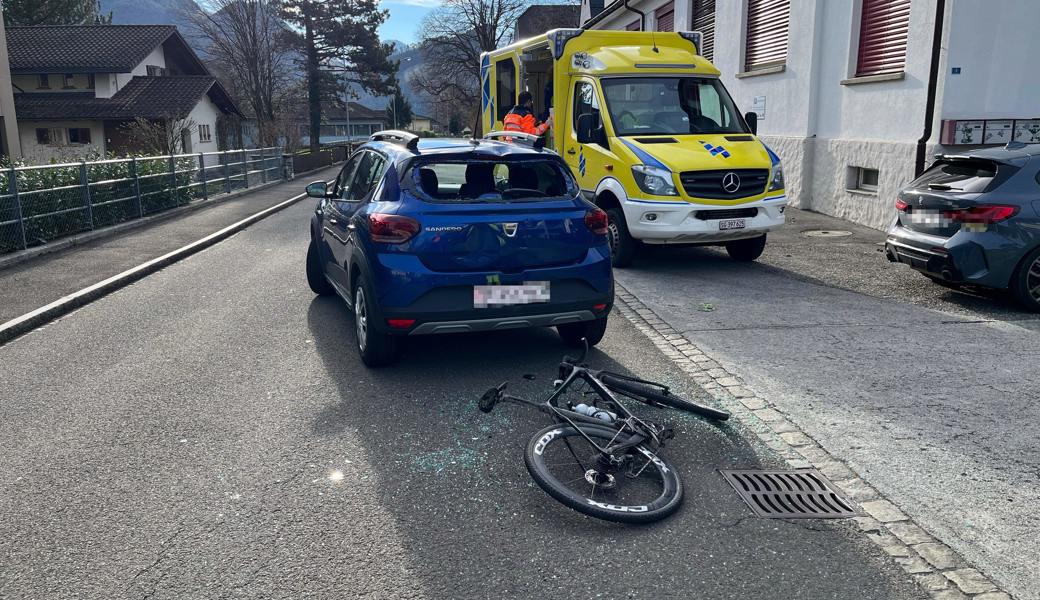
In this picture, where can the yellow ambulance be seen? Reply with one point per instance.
(651, 135)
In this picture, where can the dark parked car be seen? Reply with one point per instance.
(448, 236)
(974, 218)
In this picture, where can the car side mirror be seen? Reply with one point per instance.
(590, 130)
(318, 189)
(752, 121)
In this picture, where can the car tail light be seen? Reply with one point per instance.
(400, 323)
(987, 213)
(901, 206)
(391, 229)
(598, 307)
(596, 220)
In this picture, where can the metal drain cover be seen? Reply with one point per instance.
(795, 494)
(827, 233)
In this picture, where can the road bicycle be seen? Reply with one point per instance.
(597, 457)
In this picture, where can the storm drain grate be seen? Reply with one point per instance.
(795, 494)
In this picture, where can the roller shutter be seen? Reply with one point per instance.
(767, 23)
(883, 30)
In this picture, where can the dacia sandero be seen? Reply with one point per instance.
(450, 236)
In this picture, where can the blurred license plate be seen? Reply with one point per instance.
(530, 292)
(732, 224)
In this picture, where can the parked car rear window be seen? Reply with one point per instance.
(493, 181)
(958, 176)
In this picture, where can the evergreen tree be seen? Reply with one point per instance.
(399, 110)
(53, 12)
(339, 46)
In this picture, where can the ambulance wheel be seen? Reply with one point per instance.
(622, 246)
(746, 250)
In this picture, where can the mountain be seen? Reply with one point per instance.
(150, 12)
(411, 63)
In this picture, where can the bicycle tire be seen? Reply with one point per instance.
(664, 505)
(667, 398)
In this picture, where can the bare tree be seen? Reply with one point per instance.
(452, 38)
(159, 136)
(248, 44)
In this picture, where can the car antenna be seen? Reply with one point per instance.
(642, 25)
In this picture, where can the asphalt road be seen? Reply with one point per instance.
(209, 432)
(929, 393)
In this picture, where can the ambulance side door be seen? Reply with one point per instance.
(587, 142)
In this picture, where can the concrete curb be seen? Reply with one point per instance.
(939, 570)
(45, 314)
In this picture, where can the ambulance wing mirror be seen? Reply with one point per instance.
(752, 121)
(589, 130)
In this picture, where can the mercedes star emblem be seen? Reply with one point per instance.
(731, 182)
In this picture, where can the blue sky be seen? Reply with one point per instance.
(405, 17)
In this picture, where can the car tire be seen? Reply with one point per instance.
(622, 245)
(592, 331)
(1025, 283)
(376, 348)
(316, 272)
(746, 250)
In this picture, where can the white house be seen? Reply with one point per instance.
(76, 87)
(855, 95)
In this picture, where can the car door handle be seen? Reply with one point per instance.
(572, 151)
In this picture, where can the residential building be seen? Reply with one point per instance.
(423, 123)
(9, 146)
(350, 122)
(77, 87)
(855, 95)
(540, 18)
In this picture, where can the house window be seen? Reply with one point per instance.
(205, 135)
(43, 81)
(154, 71)
(68, 81)
(665, 17)
(50, 137)
(79, 135)
(884, 26)
(766, 35)
(861, 179)
(505, 86)
(633, 26)
(90, 81)
(703, 20)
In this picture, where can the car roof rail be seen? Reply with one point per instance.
(536, 142)
(396, 136)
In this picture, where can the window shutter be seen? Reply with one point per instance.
(665, 17)
(767, 22)
(883, 30)
(633, 26)
(704, 22)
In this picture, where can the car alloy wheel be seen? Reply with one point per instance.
(361, 317)
(613, 236)
(1033, 280)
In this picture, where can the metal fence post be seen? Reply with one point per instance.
(245, 167)
(173, 175)
(12, 186)
(84, 181)
(137, 187)
(202, 176)
(227, 174)
(263, 166)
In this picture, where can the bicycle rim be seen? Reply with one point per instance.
(564, 464)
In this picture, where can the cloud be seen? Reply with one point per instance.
(422, 3)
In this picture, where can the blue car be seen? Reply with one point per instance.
(437, 236)
(974, 219)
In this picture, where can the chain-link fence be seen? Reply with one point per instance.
(39, 204)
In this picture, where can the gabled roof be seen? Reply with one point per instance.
(357, 111)
(89, 48)
(145, 97)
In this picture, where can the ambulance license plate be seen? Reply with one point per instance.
(531, 292)
(732, 224)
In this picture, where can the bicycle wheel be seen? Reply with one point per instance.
(655, 394)
(563, 463)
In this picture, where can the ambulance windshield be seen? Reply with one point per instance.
(670, 106)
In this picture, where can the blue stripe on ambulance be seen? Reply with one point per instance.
(644, 156)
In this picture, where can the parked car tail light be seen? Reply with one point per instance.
(596, 220)
(400, 323)
(901, 206)
(988, 213)
(391, 229)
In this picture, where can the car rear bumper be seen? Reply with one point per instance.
(682, 222)
(984, 259)
(503, 323)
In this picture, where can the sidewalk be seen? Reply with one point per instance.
(29, 285)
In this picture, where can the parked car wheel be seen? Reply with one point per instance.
(316, 273)
(572, 333)
(376, 348)
(1025, 283)
(622, 245)
(746, 250)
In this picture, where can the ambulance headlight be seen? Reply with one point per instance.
(654, 180)
(777, 183)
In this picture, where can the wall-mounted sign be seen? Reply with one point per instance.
(999, 132)
(1027, 131)
(759, 107)
(990, 131)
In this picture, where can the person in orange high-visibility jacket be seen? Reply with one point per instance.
(521, 118)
